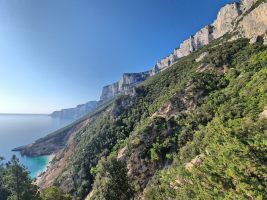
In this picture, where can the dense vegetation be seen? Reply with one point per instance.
(215, 120)
(112, 181)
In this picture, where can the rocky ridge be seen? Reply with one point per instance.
(77, 112)
(246, 19)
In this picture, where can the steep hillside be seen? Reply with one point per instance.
(221, 150)
(208, 137)
(196, 130)
(150, 130)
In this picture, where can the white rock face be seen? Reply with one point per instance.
(200, 39)
(202, 56)
(77, 112)
(124, 85)
(246, 4)
(255, 23)
(225, 18)
(109, 91)
(222, 25)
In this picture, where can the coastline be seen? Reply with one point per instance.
(48, 162)
(40, 176)
(36, 165)
(50, 158)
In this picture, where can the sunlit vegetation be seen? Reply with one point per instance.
(231, 142)
(223, 127)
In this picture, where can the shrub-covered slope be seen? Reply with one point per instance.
(226, 155)
(194, 131)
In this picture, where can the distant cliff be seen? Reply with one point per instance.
(245, 19)
(77, 112)
(124, 85)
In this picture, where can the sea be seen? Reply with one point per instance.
(22, 129)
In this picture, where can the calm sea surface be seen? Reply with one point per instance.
(19, 130)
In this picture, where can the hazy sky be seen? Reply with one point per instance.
(59, 53)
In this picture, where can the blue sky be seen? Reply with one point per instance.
(59, 53)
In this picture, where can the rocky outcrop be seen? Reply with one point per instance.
(255, 22)
(200, 39)
(202, 56)
(124, 85)
(246, 4)
(225, 20)
(265, 39)
(196, 162)
(77, 112)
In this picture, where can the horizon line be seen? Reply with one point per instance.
(25, 113)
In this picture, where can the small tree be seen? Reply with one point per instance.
(3, 190)
(54, 193)
(18, 182)
(112, 181)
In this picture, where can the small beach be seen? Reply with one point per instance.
(19, 130)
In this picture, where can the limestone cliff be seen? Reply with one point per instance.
(245, 19)
(254, 23)
(124, 85)
(223, 24)
(77, 112)
(247, 4)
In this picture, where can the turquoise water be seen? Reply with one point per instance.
(19, 130)
(35, 165)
